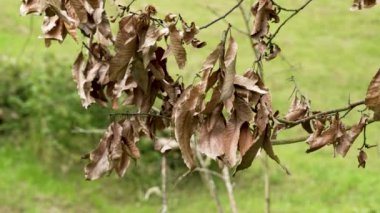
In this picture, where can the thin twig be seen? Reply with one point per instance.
(295, 12)
(233, 27)
(266, 183)
(163, 184)
(229, 187)
(209, 181)
(87, 131)
(138, 114)
(282, 8)
(208, 171)
(222, 17)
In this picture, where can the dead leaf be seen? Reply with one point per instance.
(298, 109)
(110, 154)
(263, 12)
(246, 139)
(248, 84)
(32, 7)
(349, 137)
(229, 74)
(329, 136)
(184, 121)
(274, 50)
(211, 134)
(372, 99)
(125, 46)
(363, 4)
(176, 46)
(362, 159)
(80, 11)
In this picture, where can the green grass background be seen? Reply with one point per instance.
(334, 54)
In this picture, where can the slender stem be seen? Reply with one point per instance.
(209, 181)
(266, 183)
(163, 184)
(138, 114)
(227, 182)
(233, 27)
(222, 17)
(295, 12)
(282, 8)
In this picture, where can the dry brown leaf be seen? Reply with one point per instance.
(327, 137)
(211, 134)
(298, 109)
(362, 159)
(229, 74)
(274, 50)
(81, 12)
(349, 137)
(264, 110)
(248, 84)
(53, 29)
(110, 154)
(242, 113)
(32, 7)
(263, 12)
(250, 155)
(184, 120)
(189, 32)
(246, 139)
(140, 74)
(125, 46)
(363, 4)
(132, 149)
(78, 71)
(372, 99)
(176, 46)
(197, 43)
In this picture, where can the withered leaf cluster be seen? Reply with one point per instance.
(335, 134)
(363, 4)
(62, 17)
(264, 12)
(229, 114)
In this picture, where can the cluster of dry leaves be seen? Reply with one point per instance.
(226, 115)
(363, 4)
(264, 12)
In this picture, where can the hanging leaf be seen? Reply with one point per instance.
(176, 42)
(125, 46)
(363, 4)
(349, 137)
(327, 137)
(263, 12)
(362, 159)
(229, 74)
(372, 99)
(211, 134)
(184, 122)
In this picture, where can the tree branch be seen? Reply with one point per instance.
(282, 8)
(233, 27)
(222, 17)
(295, 12)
